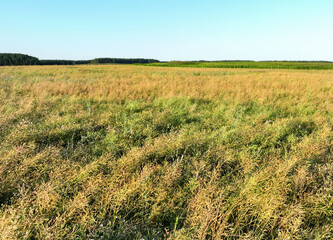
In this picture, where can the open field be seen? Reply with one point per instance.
(138, 152)
(248, 64)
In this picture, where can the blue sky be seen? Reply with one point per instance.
(169, 29)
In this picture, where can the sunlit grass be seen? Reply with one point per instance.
(133, 152)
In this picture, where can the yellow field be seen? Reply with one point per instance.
(114, 82)
(137, 152)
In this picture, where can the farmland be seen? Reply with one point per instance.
(248, 64)
(153, 152)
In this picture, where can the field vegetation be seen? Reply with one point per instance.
(139, 152)
(319, 65)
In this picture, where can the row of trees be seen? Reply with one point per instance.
(10, 59)
(122, 60)
(63, 62)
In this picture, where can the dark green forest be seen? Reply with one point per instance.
(11, 59)
(99, 61)
(14, 59)
(63, 62)
(123, 60)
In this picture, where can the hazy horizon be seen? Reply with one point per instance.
(180, 60)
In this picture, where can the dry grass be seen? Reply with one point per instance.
(133, 152)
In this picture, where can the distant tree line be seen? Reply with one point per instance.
(11, 59)
(64, 62)
(123, 60)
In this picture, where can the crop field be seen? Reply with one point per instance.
(248, 64)
(148, 152)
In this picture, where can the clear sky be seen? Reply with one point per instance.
(169, 29)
